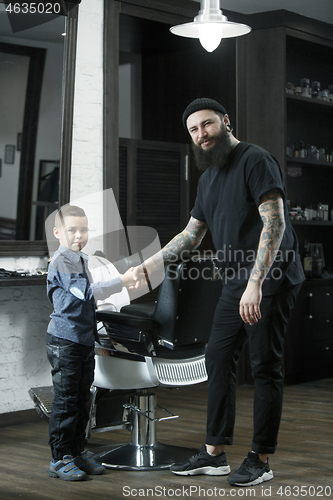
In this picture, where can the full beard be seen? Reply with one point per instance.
(216, 156)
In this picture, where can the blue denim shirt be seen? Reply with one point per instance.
(73, 297)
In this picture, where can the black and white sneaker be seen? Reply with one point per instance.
(203, 463)
(252, 471)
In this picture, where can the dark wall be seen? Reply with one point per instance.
(171, 80)
(175, 71)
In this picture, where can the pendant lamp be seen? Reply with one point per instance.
(210, 26)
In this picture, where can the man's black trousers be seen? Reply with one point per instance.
(265, 338)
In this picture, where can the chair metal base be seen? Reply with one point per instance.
(132, 457)
(143, 453)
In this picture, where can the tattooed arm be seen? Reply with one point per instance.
(272, 215)
(186, 241)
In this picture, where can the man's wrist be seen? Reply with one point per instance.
(153, 263)
(255, 282)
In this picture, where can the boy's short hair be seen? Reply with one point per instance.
(67, 211)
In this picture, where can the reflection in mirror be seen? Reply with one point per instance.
(31, 73)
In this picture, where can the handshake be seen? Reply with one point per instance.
(146, 276)
(135, 278)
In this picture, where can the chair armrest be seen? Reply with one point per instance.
(128, 332)
(140, 310)
(121, 319)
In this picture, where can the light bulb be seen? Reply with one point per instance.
(210, 35)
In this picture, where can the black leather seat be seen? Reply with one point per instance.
(150, 345)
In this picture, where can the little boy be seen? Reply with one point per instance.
(70, 340)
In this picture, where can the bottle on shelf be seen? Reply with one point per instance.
(289, 149)
(303, 152)
(327, 154)
(315, 89)
(314, 212)
(320, 211)
(317, 262)
(322, 154)
(307, 213)
(312, 152)
(310, 208)
(307, 261)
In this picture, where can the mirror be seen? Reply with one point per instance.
(36, 104)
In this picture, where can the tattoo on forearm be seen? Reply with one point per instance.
(272, 215)
(186, 241)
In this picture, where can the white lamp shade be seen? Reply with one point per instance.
(210, 26)
(192, 30)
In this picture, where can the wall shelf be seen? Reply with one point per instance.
(309, 162)
(271, 118)
(312, 223)
(309, 100)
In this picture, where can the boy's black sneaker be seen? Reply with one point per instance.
(86, 462)
(252, 471)
(203, 463)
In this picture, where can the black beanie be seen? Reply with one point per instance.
(202, 103)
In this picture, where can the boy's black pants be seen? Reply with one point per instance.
(266, 338)
(72, 375)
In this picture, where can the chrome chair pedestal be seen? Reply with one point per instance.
(143, 452)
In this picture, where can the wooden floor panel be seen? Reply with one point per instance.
(302, 465)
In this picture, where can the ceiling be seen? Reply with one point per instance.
(321, 10)
(50, 31)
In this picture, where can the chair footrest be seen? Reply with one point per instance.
(42, 398)
(156, 457)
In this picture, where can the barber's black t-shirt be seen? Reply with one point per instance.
(227, 200)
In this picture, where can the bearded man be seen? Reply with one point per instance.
(241, 198)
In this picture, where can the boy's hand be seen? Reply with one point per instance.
(143, 272)
(129, 281)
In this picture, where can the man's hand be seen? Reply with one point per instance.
(127, 278)
(249, 305)
(140, 278)
(138, 273)
(272, 214)
(141, 274)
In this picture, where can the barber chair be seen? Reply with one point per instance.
(145, 346)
